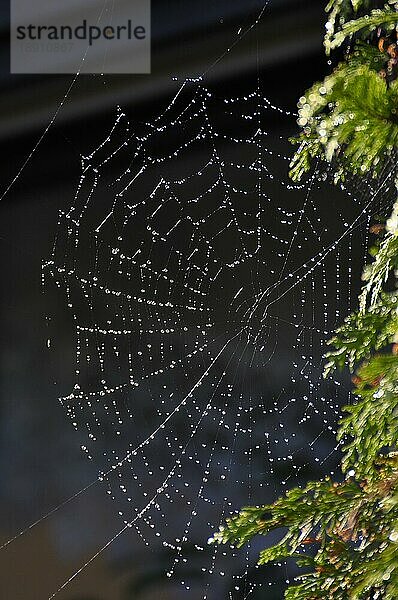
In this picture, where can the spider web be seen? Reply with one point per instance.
(200, 287)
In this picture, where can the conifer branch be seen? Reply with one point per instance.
(345, 533)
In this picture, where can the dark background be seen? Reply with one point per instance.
(40, 461)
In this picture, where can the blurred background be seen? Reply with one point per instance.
(41, 463)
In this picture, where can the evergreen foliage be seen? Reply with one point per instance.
(344, 534)
(351, 117)
(386, 18)
(341, 11)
